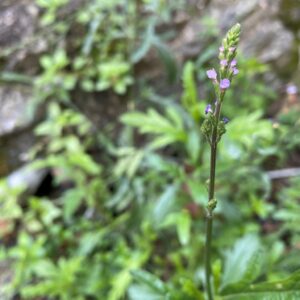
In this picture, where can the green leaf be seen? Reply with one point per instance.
(272, 295)
(169, 129)
(11, 77)
(168, 59)
(148, 279)
(138, 292)
(85, 162)
(164, 205)
(190, 289)
(89, 40)
(72, 199)
(146, 45)
(193, 145)
(89, 241)
(189, 98)
(184, 227)
(243, 263)
(288, 289)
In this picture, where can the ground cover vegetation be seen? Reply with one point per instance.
(125, 216)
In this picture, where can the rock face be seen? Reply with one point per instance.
(289, 13)
(263, 34)
(18, 21)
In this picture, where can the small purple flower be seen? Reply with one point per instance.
(232, 49)
(292, 89)
(235, 71)
(224, 84)
(233, 63)
(223, 62)
(208, 109)
(225, 120)
(221, 49)
(212, 74)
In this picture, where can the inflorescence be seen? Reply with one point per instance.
(222, 81)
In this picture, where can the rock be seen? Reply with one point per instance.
(16, 128)
(18, 53)
(27, 177)
(13, 102)
(289, 13)
(263, 34)
(6, 276)
(18, 24)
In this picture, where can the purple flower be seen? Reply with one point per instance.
(211, 74)
(223, 62)
(221, 49)
(292, 89)
(225, 120)
(232, 49)
(208, 109)
(233, 63)
(224, 84)
(235, 71)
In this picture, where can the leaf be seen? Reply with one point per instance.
(11, 77)
(88, 43)
(288, 289)
(244, 129)
(89, 241)
(162, 141)
(182, 222)
(146, 45)
(184, 227)
(72, 199)
(189, 288)
(198, 191)
(164, 204)
(168, 59)
(138, 292)
(189, 98)
(151, 281)
(272, 295)
(169, 129)
(85, 162)
(243, 264)
(193, 145)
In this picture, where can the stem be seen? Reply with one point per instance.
(211, 194)
(209, 223)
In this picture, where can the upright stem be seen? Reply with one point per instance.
(211, 196)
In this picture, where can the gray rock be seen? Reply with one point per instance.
(289, 13)
(16, 127)
(264, 36)
(13, 102)
(27, 177)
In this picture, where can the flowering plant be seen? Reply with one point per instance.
(214, 127)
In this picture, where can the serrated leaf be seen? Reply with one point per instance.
(168, 129)
(243, 263)
(150, 280)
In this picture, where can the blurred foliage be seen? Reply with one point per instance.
(125, 216)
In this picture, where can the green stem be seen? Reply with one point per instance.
(211, 196)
